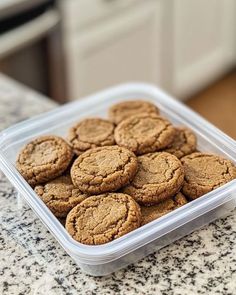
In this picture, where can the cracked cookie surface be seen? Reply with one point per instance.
(184, 143)
(144, 133)
(104, 169)
(125, 109)
(205, 172)
(103, 218)
(160, 176)
(90, 133)
(150, 213)
(43, 159)
(60, 195)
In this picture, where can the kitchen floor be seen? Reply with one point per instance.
(217, 104)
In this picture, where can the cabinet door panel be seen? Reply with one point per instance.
(124, 49)
(203, 42)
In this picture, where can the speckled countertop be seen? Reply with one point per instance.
(32, 262)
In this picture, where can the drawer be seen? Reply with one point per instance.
(77, 14)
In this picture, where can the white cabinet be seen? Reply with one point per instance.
(203, 43)
(180, 45)
(121, 47)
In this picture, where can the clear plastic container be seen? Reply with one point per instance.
(104, 259)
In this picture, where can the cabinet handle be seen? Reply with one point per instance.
(27, 33)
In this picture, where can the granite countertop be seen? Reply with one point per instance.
(32, 262)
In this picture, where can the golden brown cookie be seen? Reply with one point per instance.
(44, 159)
(160, 176)
(104, 169)
(150, 213)
(60, 195)
(184, 143)
(205, 172)
(90, 133)
(103, 218)
(144, 133)
(126, 109)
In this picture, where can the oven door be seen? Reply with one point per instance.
(28, 41)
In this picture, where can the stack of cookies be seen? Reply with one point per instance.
(109, 177)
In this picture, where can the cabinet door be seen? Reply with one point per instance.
(121, 49)
(203, 43)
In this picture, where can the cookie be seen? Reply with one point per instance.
(44, 159)
(91, 133)
(125, 109)
(60, 195)
(104, 169)
(144, 133)
(204, 173)
(150, 213)
(160, 176)
(184, 143)
(103, 218)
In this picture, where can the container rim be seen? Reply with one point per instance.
(137, 238)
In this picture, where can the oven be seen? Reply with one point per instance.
(30, 45)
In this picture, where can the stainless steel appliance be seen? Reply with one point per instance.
(30, 44)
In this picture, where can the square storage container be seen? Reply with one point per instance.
(104, 259)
